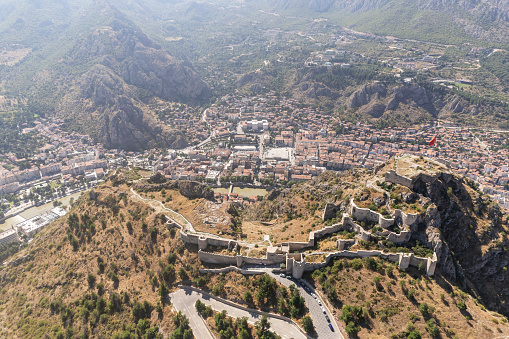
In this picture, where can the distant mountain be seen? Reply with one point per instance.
(98, 72)
(446, 20)
(128, 70)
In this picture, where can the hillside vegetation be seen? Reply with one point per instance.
(106, 268)
(103, 271)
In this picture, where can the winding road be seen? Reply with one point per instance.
(315, 310)
(185, 298)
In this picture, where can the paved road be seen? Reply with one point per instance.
(321, 324)
(184, 300)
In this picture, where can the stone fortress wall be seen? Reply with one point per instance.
(395, 178)
(296, 263)
(230, 269)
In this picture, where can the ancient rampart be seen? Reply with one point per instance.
(229, 269)
(297, 267)
(395, 178)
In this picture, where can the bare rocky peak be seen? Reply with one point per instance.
(140, 62)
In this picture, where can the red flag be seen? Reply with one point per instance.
(433, 141)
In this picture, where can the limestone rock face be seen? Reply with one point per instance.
(364, 95)
(128, 70)
(461, 230)
(195, 190)
(412, 92)
(141, 62)
(105, 107)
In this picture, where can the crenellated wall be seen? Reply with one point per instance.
(406, 219)
(329, 211)
(344, 243)
(296, 263)
(401, 238)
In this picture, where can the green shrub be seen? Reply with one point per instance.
(351, 329)
(356, 264)
(432, 328)
(91, 280)
(426, 310)
(307, 324)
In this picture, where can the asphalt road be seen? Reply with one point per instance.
(184, 300)
(321, 325)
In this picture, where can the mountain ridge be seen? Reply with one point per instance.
(67, 80)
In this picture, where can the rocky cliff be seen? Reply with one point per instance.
(411, 103)
(102, 105)
(468, 232)
(101, 75)
(140, 62)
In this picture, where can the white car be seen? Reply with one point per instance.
(319, 302)
(323, 310)
(313, 295)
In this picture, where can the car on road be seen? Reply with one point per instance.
(331, 328)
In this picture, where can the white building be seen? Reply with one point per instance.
(8, 236)
(255, 125)
(34, 225)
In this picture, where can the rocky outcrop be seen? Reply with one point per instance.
(365, 94)
(461, 228)
(316, 90)
(111, 74)
(376, 99)
(195, 190)
(455, 106)
(104, 106)
(139, 61)
(157, 178)
(413, 92)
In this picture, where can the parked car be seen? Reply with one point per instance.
(313, 295)
(331, 328)
(323, 310)
(319, 302)
(327, 318)
(282, 275)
